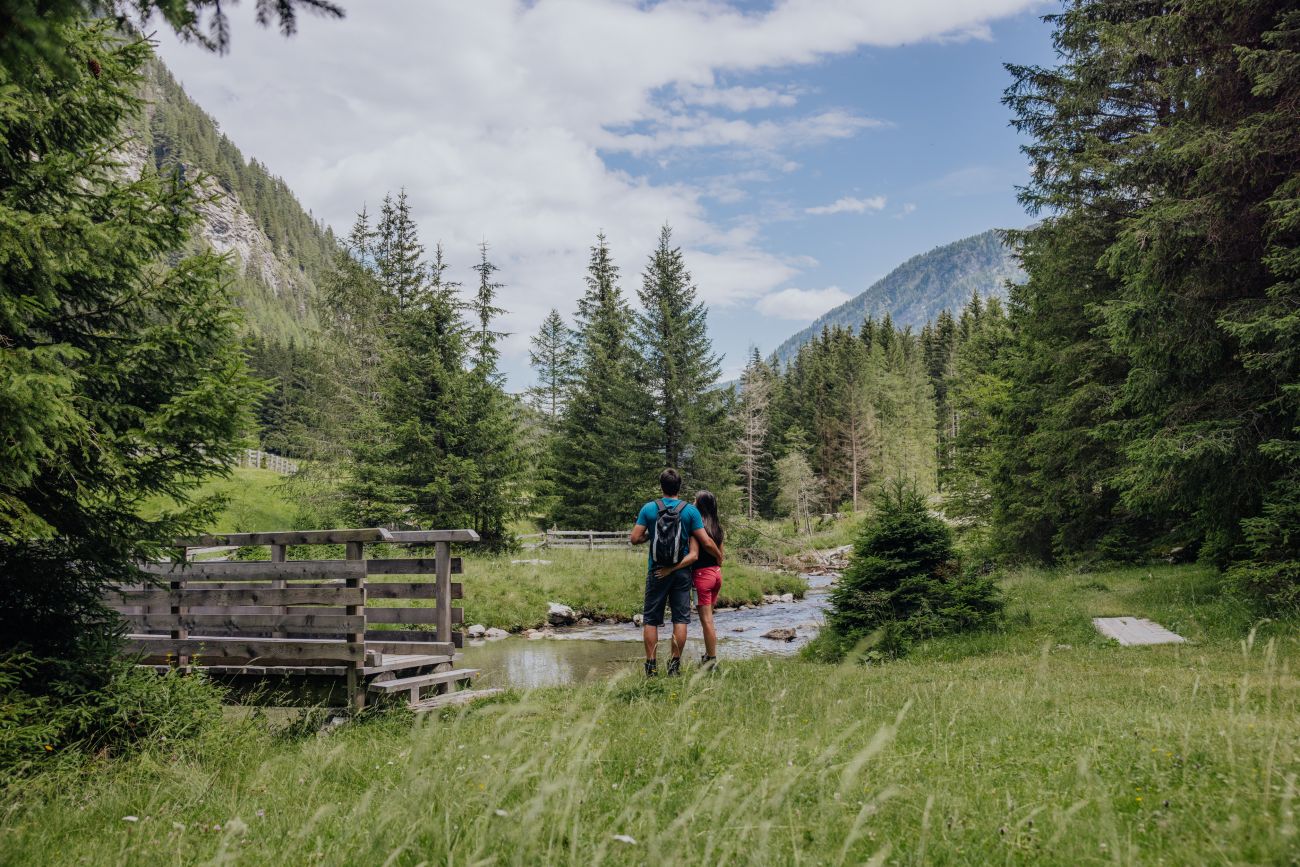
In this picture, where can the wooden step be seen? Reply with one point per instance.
(419, 680)
(464, 696)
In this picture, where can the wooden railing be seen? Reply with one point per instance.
(297, 614)
(265, 460)
(589, 539)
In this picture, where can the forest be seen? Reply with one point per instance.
(1120, 436)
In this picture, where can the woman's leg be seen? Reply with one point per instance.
(710, 634)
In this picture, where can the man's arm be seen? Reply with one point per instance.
(638, 535)
(692, 554)
(706, 542)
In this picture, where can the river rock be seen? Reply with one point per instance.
(585, 621)
(560, 615)
(739, 628)
(478, 630)
(787, 597)
(533, 634)
(769, 598)
(610, 621)
(495, 634)
(638, 619)
(810, 624)
(781, 633)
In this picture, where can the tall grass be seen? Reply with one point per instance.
(1043, 744)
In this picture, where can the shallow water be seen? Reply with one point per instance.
(586, 653)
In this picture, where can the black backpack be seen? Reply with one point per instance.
(668, 544)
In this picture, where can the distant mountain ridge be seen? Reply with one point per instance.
(917, 290)
(279, 250)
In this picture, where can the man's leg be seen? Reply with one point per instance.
(650, 635)
(679, 639)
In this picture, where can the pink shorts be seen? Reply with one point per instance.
(708, 582)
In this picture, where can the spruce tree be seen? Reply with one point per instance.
(121, 375)
(679, 366)
(552, 356)
(752, 418)
(604, 459)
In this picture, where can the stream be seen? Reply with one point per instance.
(579, 654)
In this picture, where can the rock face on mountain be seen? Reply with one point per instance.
(915, 292)
(278, 250)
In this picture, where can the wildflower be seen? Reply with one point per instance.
(623, 838)
(130, 818)
(501, 812)
(49, 749)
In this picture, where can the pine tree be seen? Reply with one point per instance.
(752, 419)
(121, 376)
(604, 459)
(679, 365)
(552, 356)
(398, 253)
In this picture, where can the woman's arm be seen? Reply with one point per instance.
(706, 542)
(692, 554)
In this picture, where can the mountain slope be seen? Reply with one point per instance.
(279, 250)
(915, 292)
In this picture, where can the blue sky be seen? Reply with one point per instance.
(801, 149)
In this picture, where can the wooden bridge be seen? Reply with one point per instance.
(311, 625)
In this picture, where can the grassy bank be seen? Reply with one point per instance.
(605, 583)
(255, 502)
(1039, 743)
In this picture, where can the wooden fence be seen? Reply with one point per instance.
(589, 539)
(304, 617)
(265, 460)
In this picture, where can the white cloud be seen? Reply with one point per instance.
(504, 119)
(802, 305)
(849, 205)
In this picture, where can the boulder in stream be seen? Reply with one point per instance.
(478, 630)
(560, 615)
(787, 597)
(638, 619)
(495, 634)
(781, 633)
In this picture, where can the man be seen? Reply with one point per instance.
(669, 585)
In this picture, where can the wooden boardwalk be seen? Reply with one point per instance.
(1133, 631)
(307, 623)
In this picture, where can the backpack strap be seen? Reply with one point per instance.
(677, 509)
(661, 506)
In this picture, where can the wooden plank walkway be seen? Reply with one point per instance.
(1131, 631)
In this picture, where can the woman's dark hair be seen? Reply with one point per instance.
(708, 506)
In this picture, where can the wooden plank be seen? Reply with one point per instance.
(410, 615)
(429, 537)
(241, 596)
(222, 647)
(418, 680)
(411, 566)
(293, 623)
(259, 570)
(1133, 631)
(434, 648)
(404, 662)
(400, 636)
(356, 693)
(451, 699)
(409, 590)
(289, 537)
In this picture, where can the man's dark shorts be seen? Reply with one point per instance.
(673, 591)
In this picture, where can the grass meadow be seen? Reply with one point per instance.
(1037, 743)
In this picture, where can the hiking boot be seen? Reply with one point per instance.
(652, 668)
(707, 661)
(674, 666)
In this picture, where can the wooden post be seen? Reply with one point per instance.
(277, 556)
(356, 683)
(591, 541)
(175, 584)
(442, 589)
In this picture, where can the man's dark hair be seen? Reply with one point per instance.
(670, 482)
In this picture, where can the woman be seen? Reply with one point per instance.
(708, 575)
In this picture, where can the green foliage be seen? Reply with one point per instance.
(31, 30)
(121, 377)
(904, 579)
(131, 708)
(603, 453)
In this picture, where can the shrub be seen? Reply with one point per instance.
(129, 708)
(903, 583)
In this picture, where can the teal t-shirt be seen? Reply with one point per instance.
(691, 520)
